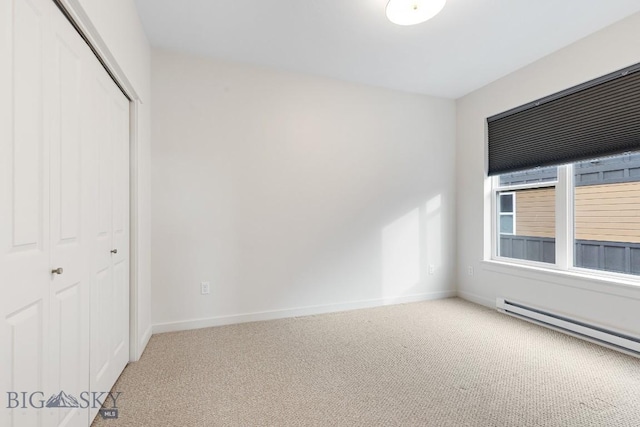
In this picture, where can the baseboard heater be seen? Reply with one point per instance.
(599, 335)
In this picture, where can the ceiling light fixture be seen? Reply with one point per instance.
(411, 12)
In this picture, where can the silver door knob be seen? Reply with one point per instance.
(58, 270)
(114, 251)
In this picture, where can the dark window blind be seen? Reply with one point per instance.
(598, 118)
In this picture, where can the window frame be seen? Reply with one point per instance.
(565, 228)
(496, 188)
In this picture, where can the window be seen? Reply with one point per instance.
(525, 220)
(563, 194)
(606, 194)
(597, 225)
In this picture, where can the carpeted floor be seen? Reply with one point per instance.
(437, 363)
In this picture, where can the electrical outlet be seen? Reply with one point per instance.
(432, 269)
(470, 270)
(205, 288)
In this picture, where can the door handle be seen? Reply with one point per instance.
(58, 270)
(114, 251)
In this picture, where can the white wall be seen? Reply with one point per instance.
(287, 191)
(119, 27)
(612, 305)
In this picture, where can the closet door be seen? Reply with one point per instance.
(24, 206)
(110, 283)
(120, 231)
(72, 208)
(64, 181)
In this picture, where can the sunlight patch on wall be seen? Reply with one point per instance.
(401, 255)
(435, 243)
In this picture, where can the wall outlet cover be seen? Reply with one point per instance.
(205, 288)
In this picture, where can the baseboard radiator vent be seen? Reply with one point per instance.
(599, 335)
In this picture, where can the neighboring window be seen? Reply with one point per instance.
(507, 220)
(525, 220)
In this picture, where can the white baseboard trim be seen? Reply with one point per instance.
(295, 312)
(488, 302)
(145, 340)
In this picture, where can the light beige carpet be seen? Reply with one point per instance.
(438, 363)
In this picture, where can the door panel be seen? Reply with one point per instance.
(71, 206)
(102, 292)
(100, 298)
(69, 357)
(120, 230)
(69, 155)
(24, 205)
(25, 361)
(120, 347)
(27, 215)
(110, 294)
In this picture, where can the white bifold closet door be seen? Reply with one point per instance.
(24, 206)
(64, 204)
(109, 131)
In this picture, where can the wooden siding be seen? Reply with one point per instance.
(608, 212)
(535, 212)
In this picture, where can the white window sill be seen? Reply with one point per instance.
(602, 283)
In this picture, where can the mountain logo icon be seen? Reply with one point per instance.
(62, 400)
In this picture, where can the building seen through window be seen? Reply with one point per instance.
(605, 220)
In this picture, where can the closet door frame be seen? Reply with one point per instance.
(80, 20)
